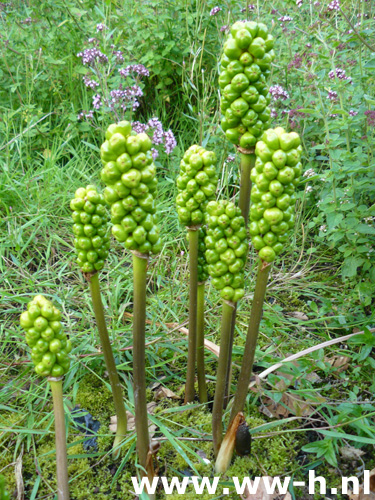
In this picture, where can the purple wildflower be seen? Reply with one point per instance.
(134, 68)
(299, 3)
(274, 113)
(92, 84)
(340, 74)
(224, 28)
(334, 5)
(122, 97)
(28, 20)
(370, 115)
(118, 55)
(278, 93)
(139, 127)
(352, 112)
(92, 56)
(332, 95)
(85, 114)
(285, 19)
(250, 7)
(100, 27)
(169, 141)
(230, 159)
(97, 101)
(215, 10)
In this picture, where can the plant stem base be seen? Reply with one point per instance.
(60, 437)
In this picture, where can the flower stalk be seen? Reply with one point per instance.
(117, 392)
(251, 339)
(60, 438)
(202, 386)
(193, 232)
(140, 262)
(217, 411)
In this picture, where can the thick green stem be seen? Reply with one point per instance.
(217, 411)
(193, 293)
(60, 437)
(251, 339)
(139, 370)
(247, 164)
(110, 364)
(202, 387)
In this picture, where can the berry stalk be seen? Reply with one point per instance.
(60, 438)
(217, 411)
(251, 339)
(202, 387)
(139, 353)
(117, 393)
(193, 295)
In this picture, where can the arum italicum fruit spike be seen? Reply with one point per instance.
(90, 228)
(226, 253)
(130, 175)
(92, 242)
(196, 186)
(244, 67)
(49, 352)
(275, 177)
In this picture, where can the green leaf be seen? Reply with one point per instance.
(350, 266)
(308, 111)
(365, 229)
(349, 437)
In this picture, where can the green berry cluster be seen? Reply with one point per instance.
(202, 263)
(4, 495)
(91, 229)
(275, 177)
(196, 184)
(49, 344)
(227, 248)
(245, 64)
(130, 176)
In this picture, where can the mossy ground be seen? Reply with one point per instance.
(97, 475)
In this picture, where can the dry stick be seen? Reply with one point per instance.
(139, 353)
(251, 339)
(247, 164)
(217, 410)
(193, 232)
(202, 386)
(117, 393)
(60, 437)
